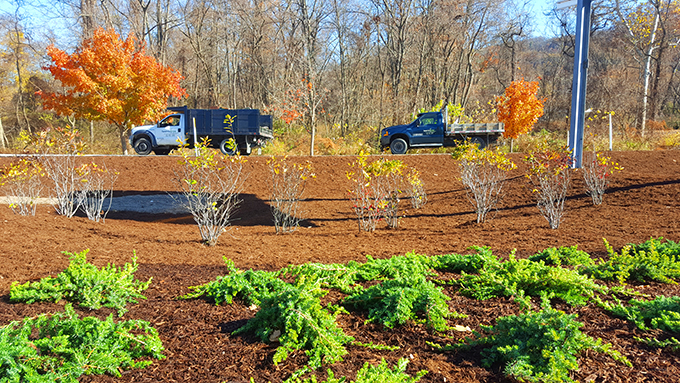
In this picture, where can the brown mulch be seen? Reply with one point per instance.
(642, 202)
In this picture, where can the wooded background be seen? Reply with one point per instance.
(359, 65)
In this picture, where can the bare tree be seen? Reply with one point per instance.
(311, 16)
(646, 25)
(516, 27)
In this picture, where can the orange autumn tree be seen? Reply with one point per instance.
(519, 108)
(110, 79)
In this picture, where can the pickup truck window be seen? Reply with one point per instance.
(429, 120)
(169, 121)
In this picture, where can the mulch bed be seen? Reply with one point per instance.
(642, 202)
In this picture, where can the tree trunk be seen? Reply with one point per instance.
(2, 136)
(648, 74)
(123, 139)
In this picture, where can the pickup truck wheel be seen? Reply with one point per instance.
(161, 152)
(143, 146)
(225, 149)
(398, 146)
(481, 142)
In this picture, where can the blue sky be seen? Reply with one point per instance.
(539, 8)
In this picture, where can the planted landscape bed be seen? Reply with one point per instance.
(441, 293)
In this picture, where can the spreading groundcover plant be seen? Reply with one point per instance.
(297, 315)
(662, 313)
(67, 347)
(539, 344)
(381, 373)
(652, 260)
(84, 284)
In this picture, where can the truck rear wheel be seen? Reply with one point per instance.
(143, 146)
(398, 146)
(228, 147)
(481, 142)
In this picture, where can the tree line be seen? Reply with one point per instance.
(354, 65)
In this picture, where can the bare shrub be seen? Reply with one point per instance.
(597, 170)
(287, 185)
(549, 174)
(96, 185)
(61, 169)
(375, 191)
(416, 189)
(388, 179)
(210, 184)
(58, 149)
(364, 197)
(483, 173)
(21, 182)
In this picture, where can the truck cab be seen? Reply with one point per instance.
(427, 130)
(161, 137)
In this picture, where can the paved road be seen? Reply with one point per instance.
(150, 204)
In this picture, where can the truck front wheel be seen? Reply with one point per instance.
(398, 146)
(143, 146)
(162, 152)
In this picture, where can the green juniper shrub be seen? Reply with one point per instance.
(293, 317)
(469, 263)
(344, 277)
(61, 347)
(672, 343)
(661, 313)
(252, 286)
(538, 346)
(337, 276)
(377, 347)
(398, 301)
(382, 373)
(84, 284)
(642, 263)
(521, 278)
(663, 246)
(395, 267)
(570, 256)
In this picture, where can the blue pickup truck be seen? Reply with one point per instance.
(431, 130)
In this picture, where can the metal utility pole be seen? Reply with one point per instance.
(578, 90)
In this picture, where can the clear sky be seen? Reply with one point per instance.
(540, 7)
